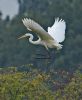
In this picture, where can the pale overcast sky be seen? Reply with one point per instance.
(9, 7)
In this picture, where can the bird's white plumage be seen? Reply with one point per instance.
(57, 31)
(31, 25)
(49, 39)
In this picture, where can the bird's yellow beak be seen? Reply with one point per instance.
(23, 36)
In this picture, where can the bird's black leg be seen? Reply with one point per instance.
(49, 55)
(44, 56)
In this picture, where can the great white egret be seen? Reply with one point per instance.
(50, 39)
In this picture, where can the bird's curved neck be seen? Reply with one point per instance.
(31, 39)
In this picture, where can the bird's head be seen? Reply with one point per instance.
(23, 36)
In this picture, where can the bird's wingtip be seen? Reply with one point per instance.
(59, 20)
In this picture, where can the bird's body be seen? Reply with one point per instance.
(50, 39)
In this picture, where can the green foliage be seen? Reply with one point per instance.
(73, 90)
(35, 85)
(21, 86)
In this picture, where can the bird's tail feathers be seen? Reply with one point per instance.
(59, 46)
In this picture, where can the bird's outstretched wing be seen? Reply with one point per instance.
(35, 27)
(57, 31)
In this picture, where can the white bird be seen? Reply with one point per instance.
(50, 39)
